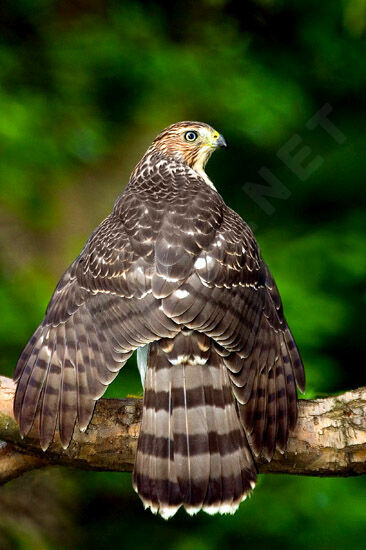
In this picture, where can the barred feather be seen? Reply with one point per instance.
(192, 451)
(175, 271)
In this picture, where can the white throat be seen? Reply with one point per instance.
(199, 165)
(201, 172)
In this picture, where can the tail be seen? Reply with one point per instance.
(192, 450)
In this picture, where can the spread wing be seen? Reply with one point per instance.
(170, 255)
(231, 296)
(101, 311)
(108, 303)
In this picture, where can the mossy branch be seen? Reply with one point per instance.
(329, 440)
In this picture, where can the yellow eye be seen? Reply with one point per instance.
(190, 135)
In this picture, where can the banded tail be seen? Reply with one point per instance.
(192, 450)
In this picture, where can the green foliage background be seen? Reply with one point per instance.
(84, 87)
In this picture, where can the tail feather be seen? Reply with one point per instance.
(190, 436)
(192, 451)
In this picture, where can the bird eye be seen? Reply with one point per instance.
(190, 136)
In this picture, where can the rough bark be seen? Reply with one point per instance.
(329, 440)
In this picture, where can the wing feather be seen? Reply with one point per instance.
(170, 256)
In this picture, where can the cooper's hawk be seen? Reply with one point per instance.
(176, 274)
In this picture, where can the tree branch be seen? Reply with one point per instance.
(329, 440)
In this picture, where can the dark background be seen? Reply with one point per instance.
(84, 88)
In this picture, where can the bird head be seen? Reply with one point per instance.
(190, 142)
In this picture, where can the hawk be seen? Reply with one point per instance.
(177, 275)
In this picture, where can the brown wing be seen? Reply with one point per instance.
(108, 303)
(170, 255)
(231, 296)
(101, 310)
(265, 382)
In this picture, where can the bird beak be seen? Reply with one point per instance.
(221, 142)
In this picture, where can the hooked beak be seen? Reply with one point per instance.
(221, 142)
